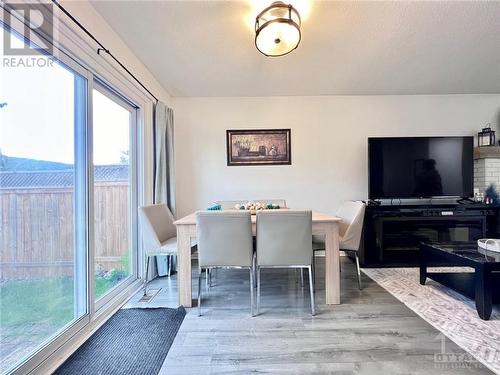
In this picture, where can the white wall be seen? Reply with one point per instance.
(329, 143)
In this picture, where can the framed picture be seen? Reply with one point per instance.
(258, 147)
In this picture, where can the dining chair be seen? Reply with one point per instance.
(224, 241)
(284, 240)
(352, 214)
(159, 235)
(230, 205)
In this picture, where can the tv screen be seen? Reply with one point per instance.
(420, 167)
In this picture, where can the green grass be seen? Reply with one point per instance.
(31, 311)
(48, 301)
(31, 301)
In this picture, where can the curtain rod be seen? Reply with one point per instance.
(101, 47)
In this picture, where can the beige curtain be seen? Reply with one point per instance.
(164, 156)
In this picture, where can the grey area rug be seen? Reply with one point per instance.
(446, 310)
(133, 341)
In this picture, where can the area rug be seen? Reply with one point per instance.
(133, 341)
(448, 311)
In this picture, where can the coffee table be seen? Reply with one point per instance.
(481, 284)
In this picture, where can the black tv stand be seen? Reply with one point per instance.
(392, 233)
(466, 200)
(371, 202)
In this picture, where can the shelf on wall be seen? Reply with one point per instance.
(487, 152)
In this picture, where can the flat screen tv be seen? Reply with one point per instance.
(420, 167)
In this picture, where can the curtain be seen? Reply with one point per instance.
(164, 156)
(164, 187)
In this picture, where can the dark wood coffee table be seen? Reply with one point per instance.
(482, 285)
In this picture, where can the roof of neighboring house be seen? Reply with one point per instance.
(50, 174)
(9, 163)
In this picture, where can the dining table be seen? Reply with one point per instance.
(322, 225)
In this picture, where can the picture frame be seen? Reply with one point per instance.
(258, 147)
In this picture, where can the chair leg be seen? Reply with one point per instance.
(210, 271)
(301, 277)
(146, 276)
(359, 271)
(311, 291)
(314, 267)
(169, 263)
(251, 290)
(199, 292)
(254, 270)
(258, 289)
(207, 278)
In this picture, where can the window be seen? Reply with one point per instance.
(114, 244)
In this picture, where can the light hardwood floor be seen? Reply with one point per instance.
(371, 332)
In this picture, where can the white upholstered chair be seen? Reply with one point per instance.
(159, 235)
(230, 205)
(350, 230)
(284, 240)
(224, 241)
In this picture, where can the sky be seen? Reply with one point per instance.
(38, 123)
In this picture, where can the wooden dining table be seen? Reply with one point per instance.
(322, 224)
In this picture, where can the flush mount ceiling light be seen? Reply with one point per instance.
(277, 29)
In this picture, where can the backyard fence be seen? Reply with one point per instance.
(37, 230)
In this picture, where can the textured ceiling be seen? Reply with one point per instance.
(206, 48)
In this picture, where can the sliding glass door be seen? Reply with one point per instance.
(68, 204)
(43, 195)
(114, 134)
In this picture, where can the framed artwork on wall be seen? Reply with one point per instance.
(258, 147)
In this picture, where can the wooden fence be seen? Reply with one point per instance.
(37, 230)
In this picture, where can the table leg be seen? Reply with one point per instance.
(423, 265)
(483, 293)
(332, 264)
(184, 266)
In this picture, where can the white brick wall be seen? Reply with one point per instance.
(486, 172)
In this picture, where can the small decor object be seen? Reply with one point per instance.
(486, 137)
(253, 207)
(214, 207)
(491, 195)
(277, 29)
(478, 197)
(258, 147)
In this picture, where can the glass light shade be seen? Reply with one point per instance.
(277, 30)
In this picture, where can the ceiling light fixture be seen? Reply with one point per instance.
(277, 29)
